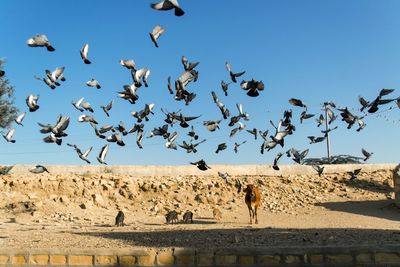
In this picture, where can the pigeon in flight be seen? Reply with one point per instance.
(107, 108)
(102, 155)
(232, 74)
(191, 147)
(225, 112)
(168, 5)
(193, 134)
(252, 87)
(297, 102)
(9, 136)
(20, 118)
(86, 106)
(144, 113)
(304, 115)
(253, 132)
(93, 83)
(47, 81)
(40, 40)
(188, 66)
(52, 138)
(201, 164)
(171, 141)
(77, 104)
(320, 120)
(57, 74)
(221, 147)
(129, 93)
(140, 76)
(364, 103)
(354, 173)
(39, 169)
(237, 145)
(238, 129)
(31, 101)
(314, 139)
(318, 169)
(183, 119)
(277, 158)
(83, 156)
(212, 125)
(156, 33)
(224, 87)
(128, 63)
(366, 154)
(87, 118)
(84, 54)
(116, 138)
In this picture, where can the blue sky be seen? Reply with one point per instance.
(312, 50)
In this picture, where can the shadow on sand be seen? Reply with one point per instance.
(376, 208)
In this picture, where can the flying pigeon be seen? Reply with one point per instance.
(121, 128)
(31, 101)
(87, 118)
(224, 87)
(277, 158)
(201, 164)
(144, 113)
(314, 139)
(9, 136)
(364, 103)
(160, 131)
(253, 132)
(20, 118)
(183, 119)
(102, 155)
(297, 103)
(128, 63)
(318, 169)
(366, 154)
(191, 147)
(252, 87)
(156, 33)
(86, 106)
(235, 130)
(225, 112)
(233, 75)
(115, 138)
(354, 173)
(168, 5)
(188, 66)
(77, 104)
(93, 83)
(212, 125)
(107, 108)
(193, 134)
(171, 141)
(38, 169)
(140, 76)
(320, 120)
(236, 146)
(84, 54)
(304, 115)
(47, 81)
(41, 41)
(221, 147)
(52, 138)
(57, 74)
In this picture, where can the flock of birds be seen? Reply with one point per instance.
(179, 88)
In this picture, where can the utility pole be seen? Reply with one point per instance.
(328, 144)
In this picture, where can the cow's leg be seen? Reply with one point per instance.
(250, 216)
(255, 212)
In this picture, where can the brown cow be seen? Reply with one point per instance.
(252, 199)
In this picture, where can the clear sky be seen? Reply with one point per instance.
(312, 50)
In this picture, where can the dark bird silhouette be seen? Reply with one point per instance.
(201, 164)
(168, 5)
(354, 173)
(232, 74)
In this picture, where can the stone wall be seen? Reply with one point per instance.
(295, 256)
(153, 170)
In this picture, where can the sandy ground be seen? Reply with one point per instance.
(46, 211)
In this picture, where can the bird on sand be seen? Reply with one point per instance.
(168, 5)
(201, 164)
(39, 169)
(40, 40)
(225, 176)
